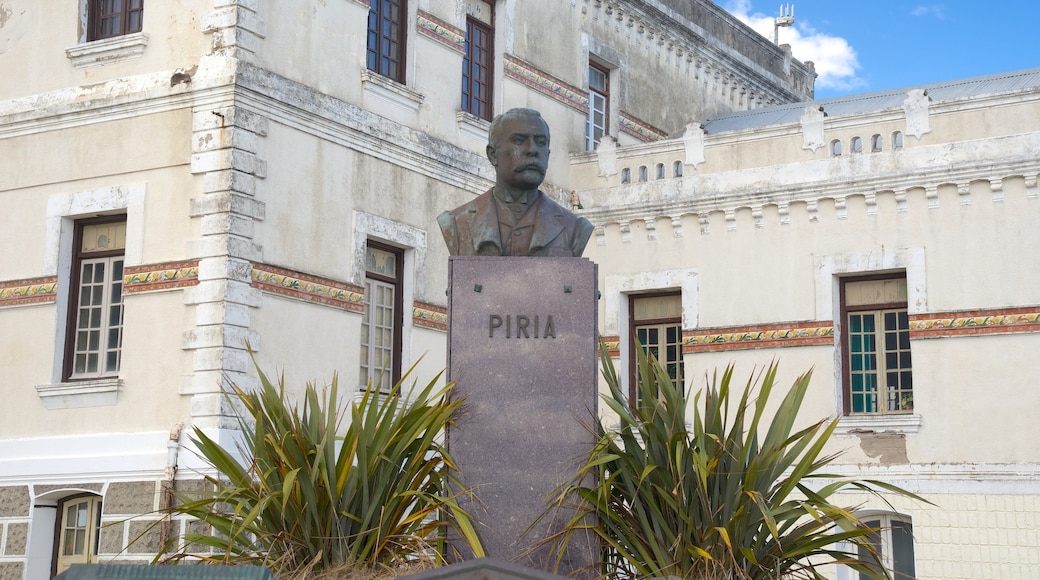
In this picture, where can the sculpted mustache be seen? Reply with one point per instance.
(531, 165)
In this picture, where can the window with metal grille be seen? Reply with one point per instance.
(386, 38)
(382, 318)
(94, 342)
(657, 326)
(599, 104)
(477, 63)
(878, 375)
(110, 18)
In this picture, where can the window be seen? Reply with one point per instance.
(876, 143)
(386, 38)
(382, 318)
(477, 62)
(659, 171)
(894, 542)
(897, 140)
(856, 145)
(110, 18)
(642, 173)
(94, 341)
(677, 169)
(657, 326)
(836, 148)
(626, 175)
(878, 376)
(78, 530)
(599, 102)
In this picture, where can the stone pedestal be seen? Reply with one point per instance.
(522, 350)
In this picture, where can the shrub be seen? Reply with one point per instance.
(310, 499)
(713, 498)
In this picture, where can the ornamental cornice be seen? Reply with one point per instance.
(675, 206)
(655, 27)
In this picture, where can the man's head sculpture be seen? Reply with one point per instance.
(514, 218)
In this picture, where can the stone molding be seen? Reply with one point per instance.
(102, 392)
(302, 108)
(811, 196)
(108, 50)
(651, 26)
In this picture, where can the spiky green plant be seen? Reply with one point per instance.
(313, 496)
(714, 498)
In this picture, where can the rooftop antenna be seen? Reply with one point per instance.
(786, 18)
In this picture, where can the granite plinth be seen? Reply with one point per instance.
(522, 351)
(164, 572)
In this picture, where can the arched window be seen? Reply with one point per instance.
(79, 526)
(626, 175)
(894, 541)
(642, 173)
(897, 140)
(876, 143)
(856, 145)
(677, 169)
(836, 148)
(659, 171)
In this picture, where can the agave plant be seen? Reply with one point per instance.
(708, 496)
(313, 496)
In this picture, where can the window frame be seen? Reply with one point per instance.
(68, 373)
(880, 351)
(397, 283)
(92, 531)
(634, 396)
(96, 18)
(379, 45)
(476, 106)
(600, 95)
(884, 541)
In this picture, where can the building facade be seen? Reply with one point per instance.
(887, 241)
(191, 179)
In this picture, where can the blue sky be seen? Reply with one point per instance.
(872, 45)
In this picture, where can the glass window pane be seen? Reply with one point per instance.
(902, 550)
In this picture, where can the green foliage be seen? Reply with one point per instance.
(308, 499)
(713, 498)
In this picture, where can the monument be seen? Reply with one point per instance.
(521, 347)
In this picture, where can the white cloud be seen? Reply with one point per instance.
(936, 10)
(833, 56)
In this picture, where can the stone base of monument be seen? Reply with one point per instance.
(164, 572)
(483, 569)
(523, 352)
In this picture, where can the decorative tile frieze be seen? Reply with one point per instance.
(28, 291)
(974, 322)
(639, 129)
(308, 288)
(762, 336)
(157, 277)
(432, 27)
(546, 84)
(430, 316)
(814, 333)
(612, 344)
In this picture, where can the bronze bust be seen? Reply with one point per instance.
(515, 218)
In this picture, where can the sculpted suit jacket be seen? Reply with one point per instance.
(472, 229)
